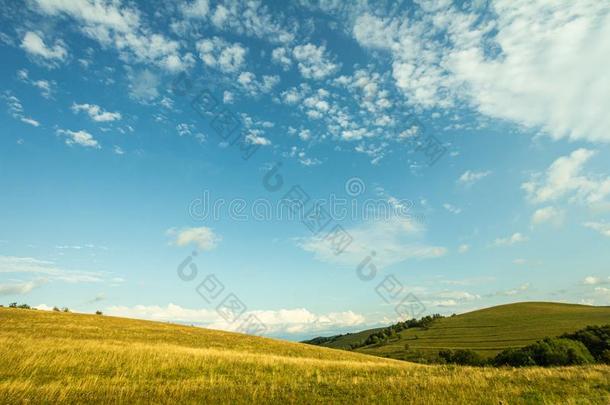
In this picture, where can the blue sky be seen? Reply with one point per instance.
(464, 143)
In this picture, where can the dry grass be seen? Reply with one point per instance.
(56, 357)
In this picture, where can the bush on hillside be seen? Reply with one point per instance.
(465, 357)
(547, 352)
(596, 339)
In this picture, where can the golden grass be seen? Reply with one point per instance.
(55, 357)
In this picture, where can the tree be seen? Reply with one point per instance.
(98, 312)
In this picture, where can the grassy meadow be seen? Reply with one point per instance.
(50, 357)
(487, 331)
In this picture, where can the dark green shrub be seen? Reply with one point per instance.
(595, 338)
(514, 357)
(547, 352)
(464, 357)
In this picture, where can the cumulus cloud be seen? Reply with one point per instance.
(281, 56)
(564, 178)
(121, 28)
(282, 321)
(393, 240)
(220, 54)
(489, 57)
(203, 238)
(251, 18)
(196, 9)
(253, 86)
(34, 45)
(82, 138)
(313, 61)
(96, 113)
(592, 280)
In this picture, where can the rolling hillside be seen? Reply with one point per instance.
(486, 331)
(50, 357)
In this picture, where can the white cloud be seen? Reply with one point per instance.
(144, 85)
(196, 9)
(452, 209)
(313, 61)
(220, 54)
(592, 280)
(30, 121)
(510, 240)
(463, 248)
(96, 113)
(281, 56)
(17, 288)
(563, 178)
(121, 27)
(393, 240)
(290, 321)
(16, 109)
(451, 298)
(470, 177)
(34, 45)
(251, 18)
(82, 138)
(516, 291)
(202, 237)
(45, 86)
(548, 214)
(256, 139)
(302, 157)
(448, 53)
(227, 97)
(46, 270)
(253, 86)
(601, 227)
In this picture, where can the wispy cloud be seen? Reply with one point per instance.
(393, 240)
(510, 240)
(47, 269)
(470, 177)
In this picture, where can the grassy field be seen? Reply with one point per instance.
(487, 331)
(50, 357)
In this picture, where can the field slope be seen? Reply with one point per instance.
(50, 357)
(486, 331)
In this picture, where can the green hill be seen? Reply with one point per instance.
(52, 357)
(486, 331)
